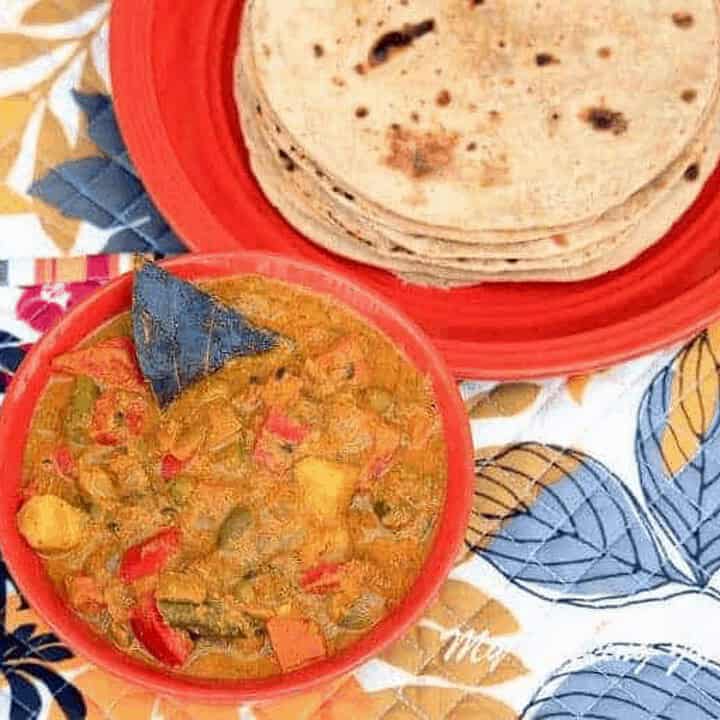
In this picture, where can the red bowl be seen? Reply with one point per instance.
(27, 387)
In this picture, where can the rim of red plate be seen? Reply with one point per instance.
(26, 567)
(644, 323)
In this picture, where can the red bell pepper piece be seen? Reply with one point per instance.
(170, 466)
(170, 646)
(111, 362)
(295, 642)
(64, 461)
(150, 556)
(322, 579)
(280, 425)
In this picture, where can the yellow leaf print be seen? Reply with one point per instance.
(693, 401)
(512, 478)
(17, 49)
(14, 113)
(50, 12)
(424, 703)
(13, 204)
(505, 400)
(91, 81)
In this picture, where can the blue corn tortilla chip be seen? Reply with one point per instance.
(182, 334)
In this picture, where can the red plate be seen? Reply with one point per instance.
(172, 76)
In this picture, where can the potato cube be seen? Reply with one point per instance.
(327, 487)
(50, 524)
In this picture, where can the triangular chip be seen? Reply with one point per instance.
(183, 334)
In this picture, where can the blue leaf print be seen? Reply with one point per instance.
(562, 526)
(630, 682)
(106, 190)
(103, 127)
(25, 702)
(678, 453)
(66, 695)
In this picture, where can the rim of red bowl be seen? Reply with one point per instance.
(26, 566)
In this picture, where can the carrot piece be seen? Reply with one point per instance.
(295, 642)
(111, 362)
(150, 556)
(170, 646)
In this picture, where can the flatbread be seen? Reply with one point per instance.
(557, 250)
(299, 211)
(507, 69)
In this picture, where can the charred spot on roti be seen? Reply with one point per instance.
(361, 112)
(605, 53)
(495, 116)
(560, 240)
(338, 81)
(420, 154)
(689, 95)
(396, 40)
(605, 120)
(683, 19)
(443, 98)
(471, 147)
(693, 172)
(543, 59)
(415, 117)
(553, 120)
(360, 69)
(318, 50)
(258, 109)
(287, 161)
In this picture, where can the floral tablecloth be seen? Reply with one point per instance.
(589, 585)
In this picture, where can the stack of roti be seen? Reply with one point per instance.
(455, 142)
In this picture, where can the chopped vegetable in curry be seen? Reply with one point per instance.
(268, 517)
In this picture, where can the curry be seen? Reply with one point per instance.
(268, 517)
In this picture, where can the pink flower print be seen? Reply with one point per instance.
(42, 306)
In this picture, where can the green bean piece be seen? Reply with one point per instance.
(237, 521)
(79, 413)
(210, 620)
(181, 489)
